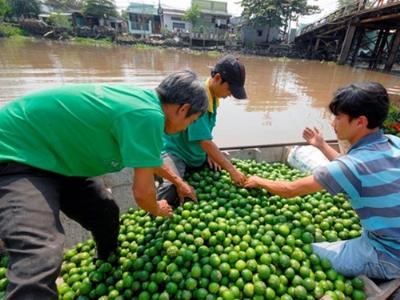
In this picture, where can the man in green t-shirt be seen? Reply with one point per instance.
(53, 142)
(194, 146)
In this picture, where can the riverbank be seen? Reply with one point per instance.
(104, 36)
(107, 37)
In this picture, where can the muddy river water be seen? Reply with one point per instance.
(285, 95)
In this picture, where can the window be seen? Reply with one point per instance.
(259, 32)
(176, 25)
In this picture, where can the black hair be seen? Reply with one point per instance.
(369, 99)
(213, 73)
(183, 87)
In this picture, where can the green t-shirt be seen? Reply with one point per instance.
(84, 129)
(186, 144)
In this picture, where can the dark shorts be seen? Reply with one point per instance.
(30, 203)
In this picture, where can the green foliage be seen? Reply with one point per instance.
(59, 20)
(393, 114)
(65, 4)
(4, 9)
(23, 8)
(124, 15)
(100, 8)
(192, 15)
(392, 123)
(213, 53)
(9, 30)
(92, 42)
(344, 3)
(274, 12)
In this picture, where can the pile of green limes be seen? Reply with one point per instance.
(233, 244)
(3, 279)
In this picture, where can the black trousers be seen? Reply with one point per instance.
(30, 204)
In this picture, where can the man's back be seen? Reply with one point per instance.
(77, 130)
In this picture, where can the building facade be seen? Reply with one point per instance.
(172, 20)
(143, 19)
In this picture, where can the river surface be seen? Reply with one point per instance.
(285, 95)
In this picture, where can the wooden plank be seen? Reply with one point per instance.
(323, 34)
(347, 44)
(393, 51)
(381, 18)
(382, 291)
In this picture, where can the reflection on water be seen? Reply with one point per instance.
(284, 95)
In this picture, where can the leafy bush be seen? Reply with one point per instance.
(92, 42)
(59, 20)
(7, 30)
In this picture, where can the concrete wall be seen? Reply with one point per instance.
(168, 23)
(258, 34)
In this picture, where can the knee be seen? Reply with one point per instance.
(52, 256)
(26, 262)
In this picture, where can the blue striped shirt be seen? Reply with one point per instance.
(370, 176)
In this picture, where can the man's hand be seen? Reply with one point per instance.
(252, 182)
(185, 190)
(213, 165)
(238, 177)
(164, 210)
(313, 137)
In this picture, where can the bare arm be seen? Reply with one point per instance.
(216, 155)
(183, 188)
(314, 137)
(286, 189)
(145, 195)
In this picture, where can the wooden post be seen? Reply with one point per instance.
(351, 29)
(375, 51)
(393, 51)
(359, 40)
(310, 50)
(315, 48)
(381, 48)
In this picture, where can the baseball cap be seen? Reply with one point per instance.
(233, 72)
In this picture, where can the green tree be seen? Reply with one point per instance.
(275, 12)
(23, 8)
(59, 20)
(192, 15)
(4, 9)
(124, 15)
(100, 8)
(292, 9)
(65, 4)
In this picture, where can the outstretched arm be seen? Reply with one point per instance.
(285, 189)
(216, 155)
(315, 138)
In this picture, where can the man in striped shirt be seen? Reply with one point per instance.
(369, 174)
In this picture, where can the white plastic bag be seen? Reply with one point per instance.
(306, 158)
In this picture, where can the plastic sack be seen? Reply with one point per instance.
(306, 158)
